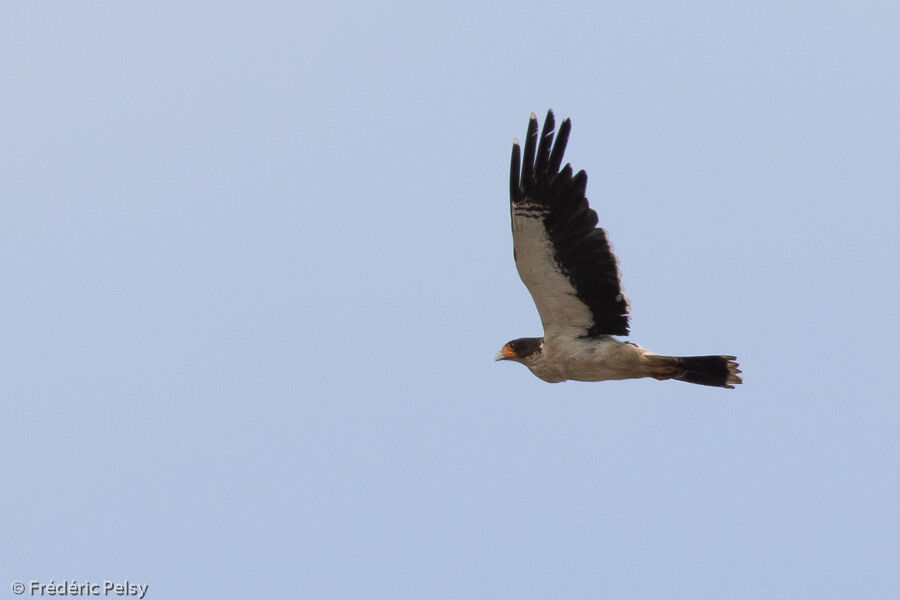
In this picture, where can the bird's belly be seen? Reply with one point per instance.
(591, 360)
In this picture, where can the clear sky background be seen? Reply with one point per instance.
(256, 263)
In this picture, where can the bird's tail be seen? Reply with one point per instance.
(720, 371)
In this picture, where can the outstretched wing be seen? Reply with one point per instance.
(563, 258)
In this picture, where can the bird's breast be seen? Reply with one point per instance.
(587, 359)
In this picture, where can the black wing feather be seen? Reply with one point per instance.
(530, 142)
(581, 251)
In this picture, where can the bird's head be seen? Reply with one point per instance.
(520, 350)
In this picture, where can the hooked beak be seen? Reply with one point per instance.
(505, 353)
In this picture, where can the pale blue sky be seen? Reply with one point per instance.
(257, 262)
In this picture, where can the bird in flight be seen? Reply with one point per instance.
(567, 264)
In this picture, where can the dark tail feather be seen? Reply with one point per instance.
(719, 371)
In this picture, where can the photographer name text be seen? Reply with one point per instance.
(87, 588)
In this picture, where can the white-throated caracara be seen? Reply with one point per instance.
(567, 264)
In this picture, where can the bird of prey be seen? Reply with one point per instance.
(567, 264)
